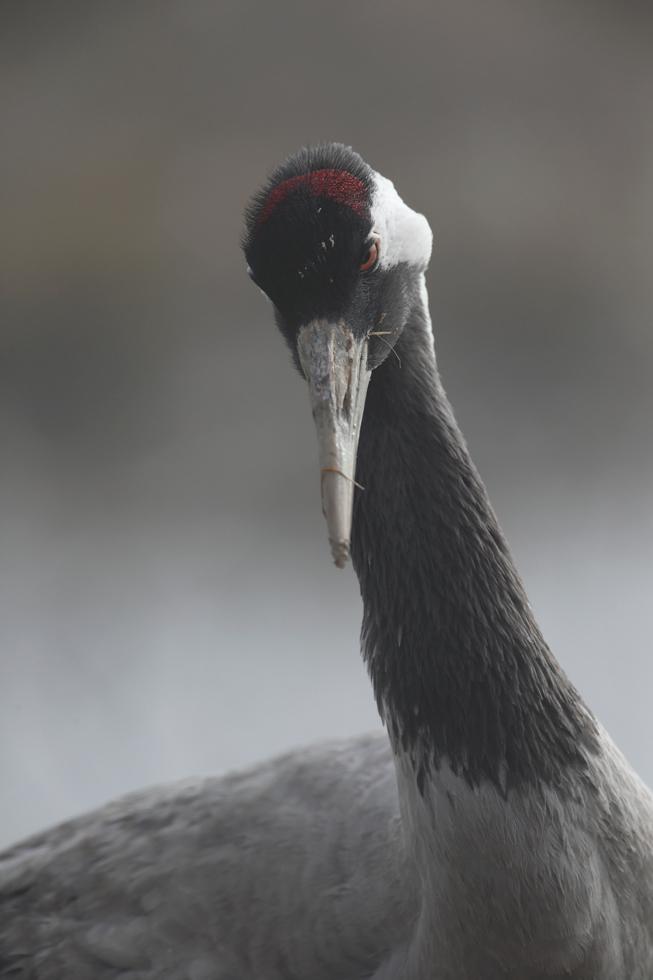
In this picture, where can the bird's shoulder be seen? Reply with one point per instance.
(197, 878)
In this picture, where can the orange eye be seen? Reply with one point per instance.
(371, 256)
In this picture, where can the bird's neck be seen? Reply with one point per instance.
(460, 670)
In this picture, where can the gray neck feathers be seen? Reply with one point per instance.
(459, 667)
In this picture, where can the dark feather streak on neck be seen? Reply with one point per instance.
(460, 670)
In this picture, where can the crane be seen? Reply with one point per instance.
(496, 831)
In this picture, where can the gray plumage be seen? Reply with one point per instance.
(291, 869)
(497, 832)
(298, 868)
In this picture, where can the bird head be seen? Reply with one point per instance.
(341, 257)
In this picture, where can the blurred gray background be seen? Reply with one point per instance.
(167, 603)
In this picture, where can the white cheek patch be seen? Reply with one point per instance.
(405, 235)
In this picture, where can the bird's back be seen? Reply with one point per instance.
(292, 869)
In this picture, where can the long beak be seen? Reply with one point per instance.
(335, 364)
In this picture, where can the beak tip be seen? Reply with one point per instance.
(340, 552)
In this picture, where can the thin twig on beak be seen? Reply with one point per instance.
(334, 469)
